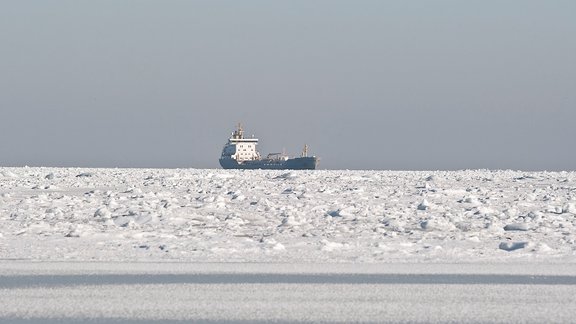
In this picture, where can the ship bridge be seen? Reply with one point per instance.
(240, 148)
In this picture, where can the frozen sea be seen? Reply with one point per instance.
(232, 246)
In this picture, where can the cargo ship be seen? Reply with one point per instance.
(241, 153)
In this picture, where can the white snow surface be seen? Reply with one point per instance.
(189, 215)
(232, 246)
(55, 214)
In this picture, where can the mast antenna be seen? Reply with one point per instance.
(305, 151)
(239, 133)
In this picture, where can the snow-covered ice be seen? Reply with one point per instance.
(277, 216)
(69, 221)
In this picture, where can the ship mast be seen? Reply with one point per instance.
(305, 151)
(239, 132)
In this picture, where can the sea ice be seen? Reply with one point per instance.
(511, 246)
(517, 227)
(311, 216)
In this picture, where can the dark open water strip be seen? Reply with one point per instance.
(19, 281)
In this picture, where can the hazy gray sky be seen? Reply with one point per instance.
(367, 84)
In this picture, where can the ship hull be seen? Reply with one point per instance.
(301, 163)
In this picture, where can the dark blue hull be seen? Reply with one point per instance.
(301, 163)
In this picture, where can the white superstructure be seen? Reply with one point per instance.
(240, 148)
